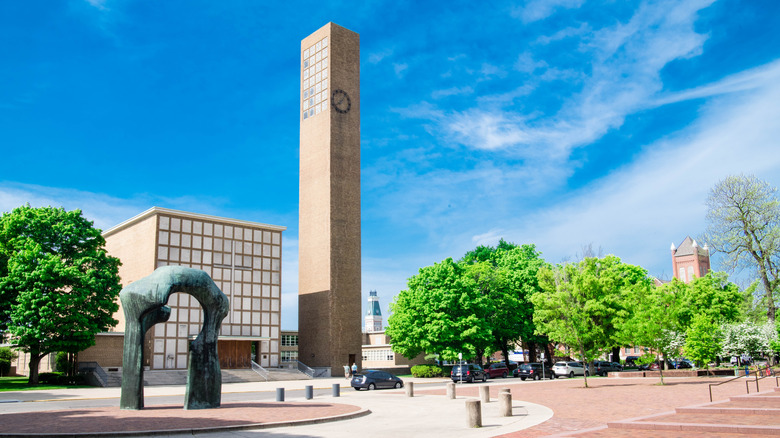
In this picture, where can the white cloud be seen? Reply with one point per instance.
(638, 211)
(535, 10)
(624, 78)
(453, 91)
(400, 69)
(99, 4)
(105, 211)
(377, 57)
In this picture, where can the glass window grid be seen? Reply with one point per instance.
(255, 276)
(378, 355)
(314, 89)
(289, 356)
(289, 340)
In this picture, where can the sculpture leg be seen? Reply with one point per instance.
(204, 376)
(132, 357)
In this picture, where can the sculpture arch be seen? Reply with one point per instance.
(144, 303)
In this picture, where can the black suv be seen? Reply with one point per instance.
(468, 373)
(532, 371)
(603, 367)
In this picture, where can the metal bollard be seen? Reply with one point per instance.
(409, 386)
(474, 413)
(451, 390)
(280, 394)
(505, 404)
(309, 393)
(336, 390)
(484, 394)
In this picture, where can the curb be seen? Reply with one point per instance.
(251, 426)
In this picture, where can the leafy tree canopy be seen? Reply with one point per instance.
(444, 311)
(584, 305)
(703, 341)
(57, 283)
(744, 225)
(712, 296)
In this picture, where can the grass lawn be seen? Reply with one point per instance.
(20, 384)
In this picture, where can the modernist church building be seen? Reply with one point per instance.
(243, 258)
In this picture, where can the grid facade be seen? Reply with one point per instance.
(243, 258)
(244, 262)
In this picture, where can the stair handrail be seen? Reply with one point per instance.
(305, 369)
(758, 376)
(259, 370)
(94, 368)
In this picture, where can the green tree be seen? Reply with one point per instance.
(517, 267)
(654, 323)
(444, 311)
(712, 296)
(744, 225)
(584, 305)
(57, 283)
(703, 341)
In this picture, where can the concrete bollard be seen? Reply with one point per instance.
(409, 386)
(280, 394)
(474, 413)
(504, 390)
(309, 393)
(451, 390)
(336, 390)
(484, 394)
(505, 404)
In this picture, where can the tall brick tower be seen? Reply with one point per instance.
(329, 283)
(689, 261)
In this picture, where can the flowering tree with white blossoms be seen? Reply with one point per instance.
(748, 338)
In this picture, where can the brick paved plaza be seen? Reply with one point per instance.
(560, 407)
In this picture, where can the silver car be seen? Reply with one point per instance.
(569, 369)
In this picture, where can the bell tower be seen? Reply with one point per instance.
(329, 278)
(374, 314)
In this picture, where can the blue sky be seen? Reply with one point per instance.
(561, 123)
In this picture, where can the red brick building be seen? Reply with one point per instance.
(690, 261)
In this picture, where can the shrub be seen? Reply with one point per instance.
(426, 371)
(6, 357)
(51, 378)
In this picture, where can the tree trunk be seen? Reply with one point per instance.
(505, 351)
(615, 354)
(587, 366)
(548, 353)
(480, 355)
(532, 352)
(770, 313)
(35, 362)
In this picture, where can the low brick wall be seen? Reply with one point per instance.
(676, 373)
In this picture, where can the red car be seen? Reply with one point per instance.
(497, 370)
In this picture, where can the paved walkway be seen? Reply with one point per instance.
(544, 408)
(387, 413)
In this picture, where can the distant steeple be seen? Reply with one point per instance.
(374, 314)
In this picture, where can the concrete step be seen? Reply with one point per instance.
(281, 374)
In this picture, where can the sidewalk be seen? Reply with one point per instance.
(385, 413)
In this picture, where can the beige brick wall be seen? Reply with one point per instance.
(107, 350)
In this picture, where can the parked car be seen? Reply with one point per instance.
(631, 361)
(682, 364)
(532, 371)
(498, 369)
(468, 373)
(569, 369)
(373, 379)
(601, 368)
(655, 366)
